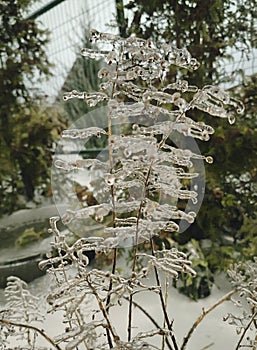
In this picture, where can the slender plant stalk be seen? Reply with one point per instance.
(166, 303)
(204, 313)
(150, 318)
(28, 327)
(245, 330)
(76, 313)
(207, 346)
(104, 312)
(166, 317)
(135, 253)
(108, 299)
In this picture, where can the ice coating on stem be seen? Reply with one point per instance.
(91, 211)
(170, 261)
(92, 99)
(119, 110)
(83, 133)
(144, 162)
(158, 211)
(80, 164)
(213, 100)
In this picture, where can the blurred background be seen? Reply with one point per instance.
(40, 44)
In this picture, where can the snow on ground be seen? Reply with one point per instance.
(213, 333)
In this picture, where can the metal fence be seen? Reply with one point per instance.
(66, 19)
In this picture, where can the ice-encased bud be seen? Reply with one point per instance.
(231, 119)
(209, 159)
(109, 179)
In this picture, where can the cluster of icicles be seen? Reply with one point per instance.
(144, 159)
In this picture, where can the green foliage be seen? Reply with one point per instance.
(30, 235)
(26, 159)
(26, 134)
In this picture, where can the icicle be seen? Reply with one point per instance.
(107, 73)
(109, 179)
(92, 99)
(181, 57)
(92, 53)
(181, 85)
(134, 41)
(96, 36)
(106, 85)
(132, 145)
(156, 111)
(170, 261)
(231, 119)
(73, 94)
(163, 128)
(83, 133)
(119, 110)
(209, 159)
(126, 207)
(218, 93)
(131, 90)
(145, 74)
(64, 165)
(240, 108)
(120, 233)
(189, 127)
(212, 99)
(161, 97)
(158, 211)
(168, 172)
(181, 103)
(128, 184)
(174, 191)
(80, 164)
(98, 210)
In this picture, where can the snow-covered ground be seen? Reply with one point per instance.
(212, 333)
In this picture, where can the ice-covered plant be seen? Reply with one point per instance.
(244, 277)
(143, 189)
(22, 308)
(144, 171)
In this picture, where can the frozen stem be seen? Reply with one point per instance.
(205, 313)
(29, 327)
(245, 331)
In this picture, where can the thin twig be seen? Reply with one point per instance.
(108, 299)
(135, 252)
(207, 346)
(40, 331)
(201, 317)
(245, 330)
(104, 312)
(150, 318)
(166, 317)
(112, 190)
(166, 303)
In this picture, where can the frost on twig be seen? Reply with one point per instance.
(21, 308)
(244, 277)
(170, 261)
